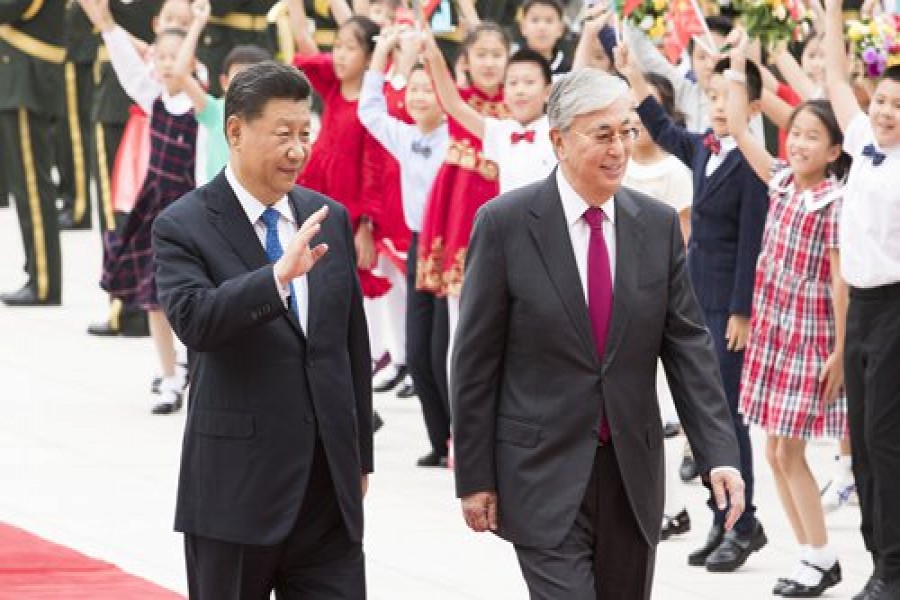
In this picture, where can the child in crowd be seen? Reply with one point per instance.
(419, 149)
(520, 144)
(791, 385)
(870, 264)
(727, 218)
(659, 174)
(128, 271)
(208, 109)
(543, 27)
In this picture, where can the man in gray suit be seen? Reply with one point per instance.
(574, 286)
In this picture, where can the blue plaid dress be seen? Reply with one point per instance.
(128, 270)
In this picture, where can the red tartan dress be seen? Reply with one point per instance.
(348, 165)
(128, 270)
(792, 329)
(463, 184)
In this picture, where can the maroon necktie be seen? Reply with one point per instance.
(600, 292)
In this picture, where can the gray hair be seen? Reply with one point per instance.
(580, 92)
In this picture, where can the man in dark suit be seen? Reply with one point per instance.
(278, 440)
(574, 287)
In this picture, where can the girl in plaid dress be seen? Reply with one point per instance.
(128, 269)
(793, 369)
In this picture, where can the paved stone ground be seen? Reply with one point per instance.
(82, 462)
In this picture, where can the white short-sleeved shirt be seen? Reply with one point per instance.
(870, 217)
(668, 181)
(522, 162)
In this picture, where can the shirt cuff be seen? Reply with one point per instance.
(732, 469)
(283, 290)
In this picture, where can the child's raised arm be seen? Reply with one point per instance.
(738, 102)
(184, 62)
(588, 43)
(841, 95)
(793, 73)
(306, 45)
(446, 89)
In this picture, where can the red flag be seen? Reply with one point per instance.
(428, 8)
(628, 6)
(686, 22)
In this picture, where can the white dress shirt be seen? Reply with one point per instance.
(287, 229)
(523, 162)
(580, 235)
(726, 145)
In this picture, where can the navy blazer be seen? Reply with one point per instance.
(727, 216)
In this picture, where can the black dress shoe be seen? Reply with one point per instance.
(830, 578)
(680, 523)
(734, 550)
(879, 589)
(132, 324)
(67, 221)
(698, 557)
(780, 585)
(407, 390)
(27, 296)
(432, 459)
(688, 470)
(386, 386)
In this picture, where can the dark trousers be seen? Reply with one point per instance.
(872, 378)
(73, 138)
(317, 560)
(105, 140)
(26, 148)
(604, 556)
(730, 364)
(426, 353)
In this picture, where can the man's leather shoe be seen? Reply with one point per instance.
(27, 296)
(830, 578)
(780, 585)
(67, 221)
(432, 459)
(698, 557)
(879, 589)
(680, 523)
(688, 470)
(734, 550)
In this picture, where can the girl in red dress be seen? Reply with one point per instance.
(466, 180)
(793, 374)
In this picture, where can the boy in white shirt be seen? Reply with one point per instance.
(870, 263)
(520, 145)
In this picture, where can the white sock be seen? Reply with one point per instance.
(170, 388)
(843, 469)
(822, 557)
(804, 549)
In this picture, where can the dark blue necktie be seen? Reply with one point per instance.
(274, 250)
(876, 156)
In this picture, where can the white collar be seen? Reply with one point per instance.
(726, 144)
(253, 208)
(574, 205)
(540, 124)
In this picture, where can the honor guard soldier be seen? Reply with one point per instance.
(31, 77)
(74, 129)
(233, 23)
(109, 115)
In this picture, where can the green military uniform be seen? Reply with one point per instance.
(233, 23)
(74, 129)
(31, 80)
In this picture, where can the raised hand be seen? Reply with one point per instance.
(97, 11)
(299, 259)
(201, 10)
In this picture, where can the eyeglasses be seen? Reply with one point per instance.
(605, 139)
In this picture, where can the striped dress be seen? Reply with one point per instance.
(792, 325)
(128, 265)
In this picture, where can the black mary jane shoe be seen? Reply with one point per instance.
(680, 523)
(830, 578)
(780, 585)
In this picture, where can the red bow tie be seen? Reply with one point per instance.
(712, 143)
(527, 136)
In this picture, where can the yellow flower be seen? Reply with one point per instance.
(660, 5)
(658, 30)
(856, 31)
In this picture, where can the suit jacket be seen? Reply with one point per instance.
(32, 53)
(727, 217)
(527, 382)
(262, 390)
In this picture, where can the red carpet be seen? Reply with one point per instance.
(32, 568)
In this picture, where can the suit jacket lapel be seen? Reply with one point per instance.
(629, 247)
(720, 175)
(549, 229)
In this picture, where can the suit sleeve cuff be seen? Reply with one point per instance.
(284, 291)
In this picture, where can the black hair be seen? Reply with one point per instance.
(485, 27)
(751, 71)
(527, 55)
(554, 4)
(666, 91)
(253, 87)
(798, 48)
(246, 54)
(891, 74)
(171, 32)
(391, 4)
(365, 30)
(823, 111)
(716, 24)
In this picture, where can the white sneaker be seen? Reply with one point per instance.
(837, 494)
